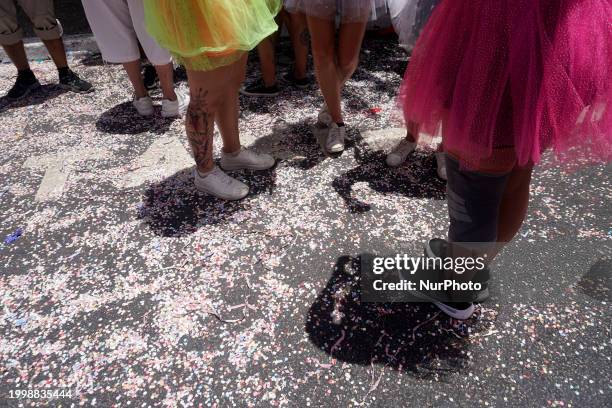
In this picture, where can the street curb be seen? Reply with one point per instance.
(76, 45)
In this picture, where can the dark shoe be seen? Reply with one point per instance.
(438, 248)
(301, 83)
(150, 78)
(260, 89)
(23, 86)
(71, 81)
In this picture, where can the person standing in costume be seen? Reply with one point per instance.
(335, 62)
(408, 17)
(50, 31)
(268, 85)
(119, 27)
(211, 39)
(508, 80)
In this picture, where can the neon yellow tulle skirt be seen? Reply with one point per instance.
(207, 34)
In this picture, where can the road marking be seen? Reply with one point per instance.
(163, 158)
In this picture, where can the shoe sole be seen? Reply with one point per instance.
(463, 314)
(236, 168)
(221, 196)
(28, 91)
(267, 95)
(335, 150)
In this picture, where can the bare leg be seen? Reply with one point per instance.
(349, 45)
(133, 72)
(57, 51)
(300, 40)
(211, 92)
(513, 208)
(166, 80)
(267, 60)
(412, 132)
(324, 52)
(17, 54)
(228, 112)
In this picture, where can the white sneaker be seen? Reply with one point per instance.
(143, 105)
(399, 154)
(335, 138)
(324, 117)
(173, 109)
(246, 160)
(220, 185)
(441, 164)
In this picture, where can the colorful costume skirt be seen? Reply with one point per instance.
(208, 34)
(349, 11)
(524, 74)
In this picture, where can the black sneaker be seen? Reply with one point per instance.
(71, 81)
(437, 248)
(23, 86)
(260, 89)
(454, 304)
(150, 78)
(301, 83)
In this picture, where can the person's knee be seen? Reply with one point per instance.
(47, 27)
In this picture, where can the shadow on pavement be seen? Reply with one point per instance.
(419, 180)
(36, 97)
(173, 207)
(409, 337)
(123, 119)
(597, 282)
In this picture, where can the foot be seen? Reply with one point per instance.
(150, 78)
(438, 248)
(324, 117)
(71, 81)
(260, 89)
(23, 87)
(246, 160)
(220, 185)
(143, 105)
(335, 138)
(301, 83)
(177, 108)
(441, 165)
(399, 154)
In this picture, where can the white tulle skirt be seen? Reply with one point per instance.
(409, 17)
(347, 10)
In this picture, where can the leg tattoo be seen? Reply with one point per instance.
(199, 125)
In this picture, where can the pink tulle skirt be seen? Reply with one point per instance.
(522, 74)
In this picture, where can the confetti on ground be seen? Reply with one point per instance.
(131, 287)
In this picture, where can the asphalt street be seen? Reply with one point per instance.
(123, 284)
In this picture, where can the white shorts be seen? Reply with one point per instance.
(118, 26)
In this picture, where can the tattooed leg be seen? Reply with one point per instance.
(199, 124)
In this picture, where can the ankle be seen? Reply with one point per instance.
(233, 152)
(26, 75)
(63, 71)
(205, 171)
